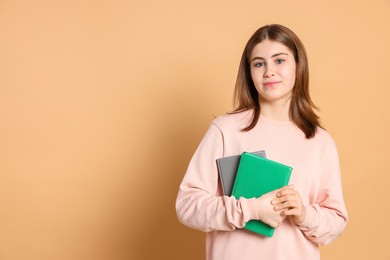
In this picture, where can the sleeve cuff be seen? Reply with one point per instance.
(249, 209)
(311, 219)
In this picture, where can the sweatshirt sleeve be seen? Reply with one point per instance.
(198, 204)
(327, 217)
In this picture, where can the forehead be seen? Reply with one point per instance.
(268, 48)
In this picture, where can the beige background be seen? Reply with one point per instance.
(102, 104)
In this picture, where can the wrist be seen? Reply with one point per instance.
(252, 208)
(300, 220)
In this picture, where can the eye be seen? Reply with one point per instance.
(258, 64)
(279, 61)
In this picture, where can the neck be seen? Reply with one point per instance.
(277, 111)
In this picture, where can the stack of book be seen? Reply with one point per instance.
(251, 175)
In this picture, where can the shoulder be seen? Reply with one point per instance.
(324, 135)
(232, 121)
(324, 138)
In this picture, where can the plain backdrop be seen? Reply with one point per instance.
(103, 103)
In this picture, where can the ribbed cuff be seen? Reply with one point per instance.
(249, 208)
(311, 219)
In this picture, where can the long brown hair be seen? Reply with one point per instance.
(245, 97)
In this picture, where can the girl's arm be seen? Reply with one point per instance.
(325, 219)
(199, 204)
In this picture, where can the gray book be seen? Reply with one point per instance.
(227, 168)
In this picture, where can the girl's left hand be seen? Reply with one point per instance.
(289, 203)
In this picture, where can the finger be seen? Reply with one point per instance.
(294, 198)
(282, 189)
(286, 206)
(290, 212)
(286, 190)
(284, 198)
(287, 187)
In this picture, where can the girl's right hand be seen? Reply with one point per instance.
(266, 211)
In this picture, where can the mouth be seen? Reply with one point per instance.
(271, 83)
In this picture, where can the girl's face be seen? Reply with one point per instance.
(273, 71)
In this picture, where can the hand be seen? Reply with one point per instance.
(289, 203)
(265, 209)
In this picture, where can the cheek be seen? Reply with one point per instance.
(257, 78)
(292, 78)
(289, 76)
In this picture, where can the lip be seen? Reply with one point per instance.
(270, 83)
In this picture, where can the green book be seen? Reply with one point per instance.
(256, 176)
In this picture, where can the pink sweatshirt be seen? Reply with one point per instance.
(201, 205)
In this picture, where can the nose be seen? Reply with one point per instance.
(269, 72)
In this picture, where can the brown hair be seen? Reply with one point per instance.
(245, 97)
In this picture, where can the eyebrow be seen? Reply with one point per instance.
(276, 54)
